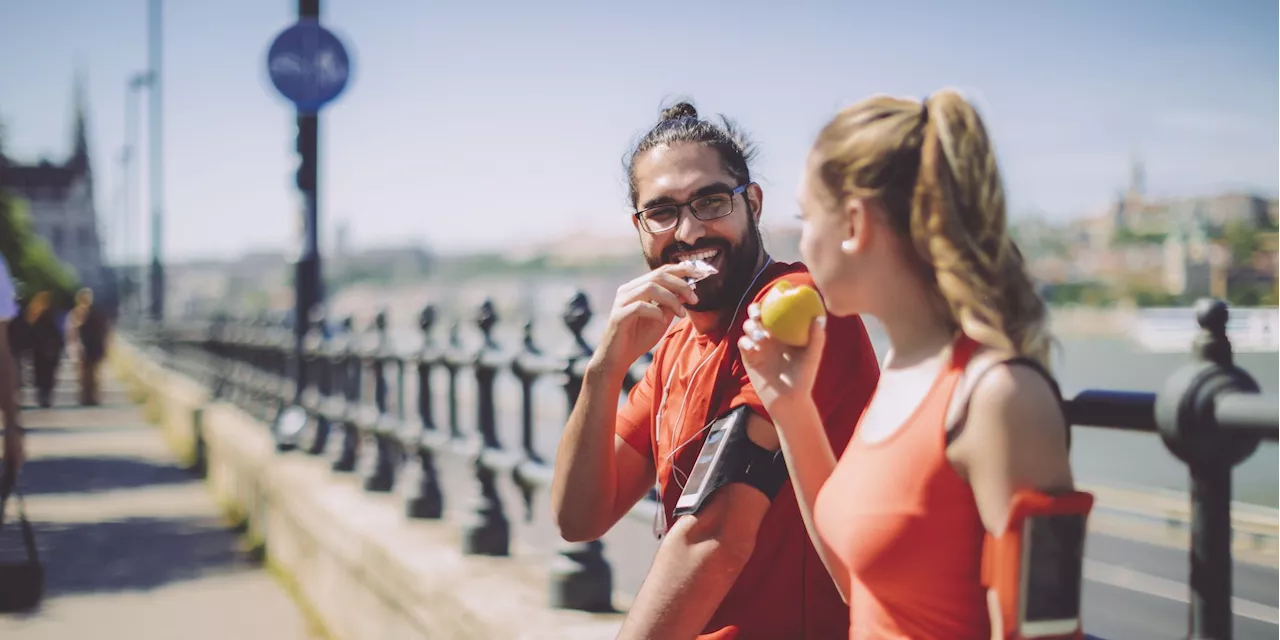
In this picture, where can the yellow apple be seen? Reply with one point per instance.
(787, 310)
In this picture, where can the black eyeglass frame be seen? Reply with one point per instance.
(644, 221)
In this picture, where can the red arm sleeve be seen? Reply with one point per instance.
(635, 418)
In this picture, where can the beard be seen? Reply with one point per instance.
(725, 289)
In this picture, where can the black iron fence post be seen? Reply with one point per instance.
(1185, 415)
(580, 576)
(382, 475)
(335, 402)
(525, 367)
(317, 375)
(426, 500)
(452, 365)
(333, 381)
(264, 369)
(215, 346)
(486, 531)
(281, 384)
(256, 333)
(353, 380)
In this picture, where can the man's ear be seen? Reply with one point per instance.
(755, 197)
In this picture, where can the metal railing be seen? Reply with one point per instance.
(347, 396)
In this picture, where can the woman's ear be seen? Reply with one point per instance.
(860, 225)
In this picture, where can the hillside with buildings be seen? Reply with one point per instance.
(1158, 252)
(1137, 252)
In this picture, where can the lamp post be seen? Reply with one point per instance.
(135, 84)
(157, 178)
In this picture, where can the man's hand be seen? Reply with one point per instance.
(642, 311)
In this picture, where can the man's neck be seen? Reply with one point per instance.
(715, 323)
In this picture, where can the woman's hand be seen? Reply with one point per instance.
(783, 376)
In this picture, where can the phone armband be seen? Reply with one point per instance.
(1035, 566)
(729, 456)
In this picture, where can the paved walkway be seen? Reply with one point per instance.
(133, 546)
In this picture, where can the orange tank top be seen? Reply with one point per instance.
(906, 526)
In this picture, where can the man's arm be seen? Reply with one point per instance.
(597, 476)
(701, 557)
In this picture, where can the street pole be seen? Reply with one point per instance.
(124, 276)
(132, 270)
(157, 192)
(307, 286)
(310, 67)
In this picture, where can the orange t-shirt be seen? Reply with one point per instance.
(907, 527)
(784, 591)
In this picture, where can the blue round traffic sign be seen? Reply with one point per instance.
(308, 65)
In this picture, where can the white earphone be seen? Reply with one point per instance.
(657, 422)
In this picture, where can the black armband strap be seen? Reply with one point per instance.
(729, 456)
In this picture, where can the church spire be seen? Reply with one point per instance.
(1137, 175)
(80, 153)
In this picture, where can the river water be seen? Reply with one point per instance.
(1095, 361)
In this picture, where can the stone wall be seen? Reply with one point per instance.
(363, 568)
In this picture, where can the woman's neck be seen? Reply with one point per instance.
(914, 326)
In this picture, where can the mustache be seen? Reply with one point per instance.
(668, 254)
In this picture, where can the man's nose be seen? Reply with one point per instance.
(690, 229)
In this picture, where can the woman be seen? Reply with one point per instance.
(904, 220)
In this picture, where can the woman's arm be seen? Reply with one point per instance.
(1015, 438)
(810, 461)
(783, 379)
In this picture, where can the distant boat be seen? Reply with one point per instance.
(1169, 330)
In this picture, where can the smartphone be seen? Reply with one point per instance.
(708, 458)
(1052, 564)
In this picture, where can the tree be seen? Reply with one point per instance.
(1242, 241)
(31, 261)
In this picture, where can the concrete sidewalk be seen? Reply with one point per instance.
(133, 546)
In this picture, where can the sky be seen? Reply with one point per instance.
(490, 125)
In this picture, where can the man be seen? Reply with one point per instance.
(88, 326)
(47, 340)
(741, 565)
(13, 435)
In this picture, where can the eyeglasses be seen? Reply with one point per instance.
(665, 217)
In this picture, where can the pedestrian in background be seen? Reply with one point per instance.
(46, 341)
(88, 327)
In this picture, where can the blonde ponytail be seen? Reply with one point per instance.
(934, 169)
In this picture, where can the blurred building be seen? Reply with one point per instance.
(1137, 214)
(60, 197)
(1194, 266)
